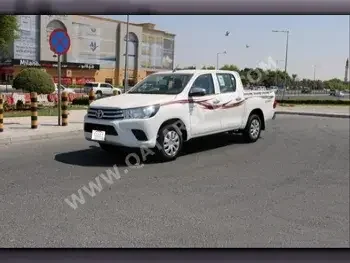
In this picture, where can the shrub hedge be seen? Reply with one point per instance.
(81, 101)
(34, 80)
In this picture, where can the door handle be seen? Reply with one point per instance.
(238, 99)
(216, 101)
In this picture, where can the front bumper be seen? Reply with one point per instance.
(120, 132)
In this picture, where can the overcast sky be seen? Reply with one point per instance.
(321, 40)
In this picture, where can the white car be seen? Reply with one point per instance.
(167, 109)
(63, 88)
(102, 89)
(339, 94)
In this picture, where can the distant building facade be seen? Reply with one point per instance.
(97, 51)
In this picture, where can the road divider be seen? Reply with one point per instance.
(64, 107)
(91, 96)
(1, 113)
(34, 110)
(314, 102)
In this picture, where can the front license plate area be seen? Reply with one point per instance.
(98, 135)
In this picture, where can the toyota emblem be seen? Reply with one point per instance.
(99, 114)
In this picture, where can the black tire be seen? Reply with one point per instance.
(98, 94)
(162, 150)
(248, 133)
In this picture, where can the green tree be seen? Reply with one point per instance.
(336, 84)
(34, 80)
(8, 33)
(208, 67)
(230, 68)
(294, 77)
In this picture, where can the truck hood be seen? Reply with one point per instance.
(125, 101)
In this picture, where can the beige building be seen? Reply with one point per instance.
(97, 49)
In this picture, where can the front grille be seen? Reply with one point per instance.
(106, 114)
(88, 127)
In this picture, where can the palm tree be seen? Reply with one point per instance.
(294, 77)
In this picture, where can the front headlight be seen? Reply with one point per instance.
(141, 113)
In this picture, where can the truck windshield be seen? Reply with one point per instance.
(162, 84)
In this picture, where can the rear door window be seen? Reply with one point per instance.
(227, 82)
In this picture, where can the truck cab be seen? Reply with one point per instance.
(167, 109)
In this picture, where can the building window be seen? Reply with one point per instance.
(132, 51)
(109, 80)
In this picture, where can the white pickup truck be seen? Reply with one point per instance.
(101, 89)
(167, 109)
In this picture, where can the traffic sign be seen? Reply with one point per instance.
(59, 41)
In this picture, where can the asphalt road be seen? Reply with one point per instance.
(289, 189)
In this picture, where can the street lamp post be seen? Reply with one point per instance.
(286, 57)
(217, 58)
(126, 77)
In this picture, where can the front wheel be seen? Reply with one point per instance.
(169, 142)
(252, 130)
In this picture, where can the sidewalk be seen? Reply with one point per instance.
(18, 129)
(316, 110)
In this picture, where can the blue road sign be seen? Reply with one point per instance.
(59, 41)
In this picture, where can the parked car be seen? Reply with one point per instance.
(332, 92)
(63, 88)
(339, 94)
(101, 89)
(306, 91)
(167, 109)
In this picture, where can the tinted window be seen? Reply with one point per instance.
(90, 85)
(162, 84)
(205, 81)
(227, 82)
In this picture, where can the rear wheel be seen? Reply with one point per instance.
(169, 142)
(252, 130)
(98, 94)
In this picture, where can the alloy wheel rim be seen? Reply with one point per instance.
(171, 143)
(254, 128)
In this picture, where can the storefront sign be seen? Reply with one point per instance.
(51, 64)
(83, 80)
(64, 80)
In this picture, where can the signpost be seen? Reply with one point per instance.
(59, 44)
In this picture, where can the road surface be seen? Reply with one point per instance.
(290, 189)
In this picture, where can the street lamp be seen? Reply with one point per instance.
(217, 58)
(126, 77)
(286, 58)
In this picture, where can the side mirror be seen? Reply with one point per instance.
(197, 92)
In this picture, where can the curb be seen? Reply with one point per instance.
(72, 133)
(330, 115)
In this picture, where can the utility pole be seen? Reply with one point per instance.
(59, 88)
(286, 57)
(217, 58)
